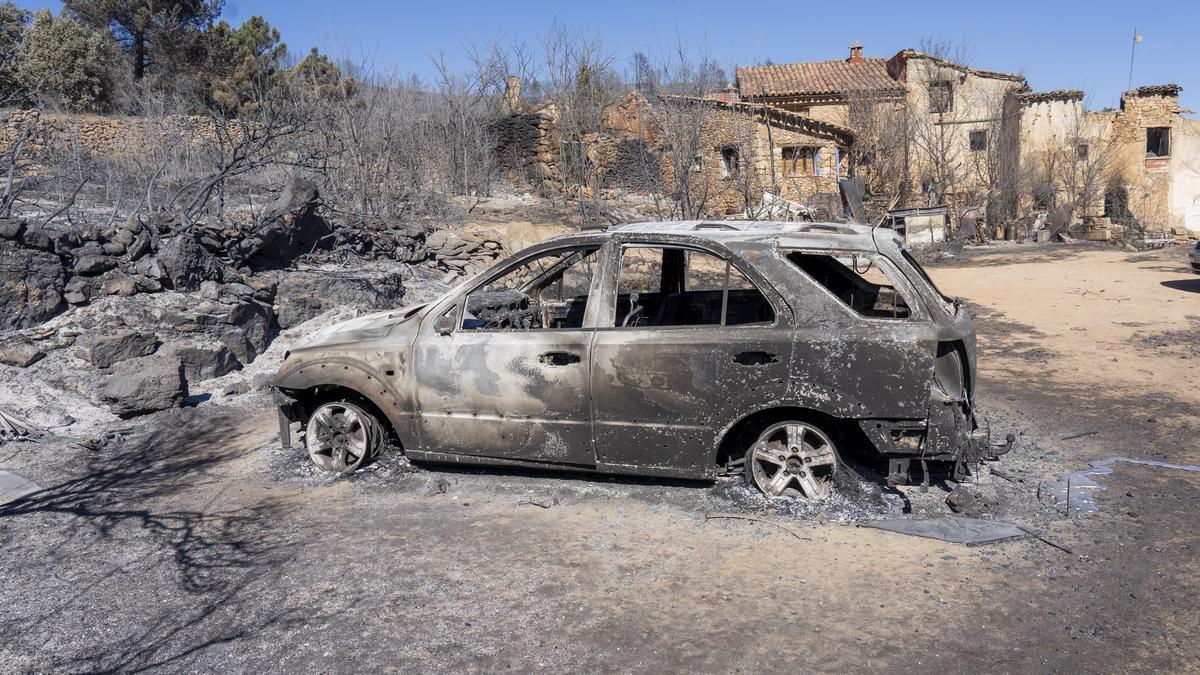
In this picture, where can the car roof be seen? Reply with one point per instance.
(753, 233)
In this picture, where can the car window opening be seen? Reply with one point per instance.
(682, 287)
(548, 292)
(857, 280)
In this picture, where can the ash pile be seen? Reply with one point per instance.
(119, 320)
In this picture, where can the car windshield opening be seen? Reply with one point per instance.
(549, 291)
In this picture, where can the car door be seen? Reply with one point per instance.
(690, 339)
(507, 374)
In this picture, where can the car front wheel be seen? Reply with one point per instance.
(792, 459)
(340, 436)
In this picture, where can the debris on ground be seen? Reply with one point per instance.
(13, 487)
(15, 427)
(967, 531)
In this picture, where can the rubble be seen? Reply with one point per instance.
(462, 252)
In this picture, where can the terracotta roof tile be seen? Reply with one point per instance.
(817, 77)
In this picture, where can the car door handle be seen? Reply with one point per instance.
(558, 358)
(754, 358)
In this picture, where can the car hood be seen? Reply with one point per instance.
(371, 326)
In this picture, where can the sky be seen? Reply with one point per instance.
(1055, 44)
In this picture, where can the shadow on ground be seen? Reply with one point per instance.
(144, 511)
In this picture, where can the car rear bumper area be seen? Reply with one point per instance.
(953, 440)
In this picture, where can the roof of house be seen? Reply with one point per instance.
(1054, 95)
(817, 78)
(779, 115)
(978, 72)
(1156, 90)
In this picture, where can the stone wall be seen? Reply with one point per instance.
(527, 145)
(1144, 182)
(107, 136)
(760, 154)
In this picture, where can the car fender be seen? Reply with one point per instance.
(813, 396)
(382, 390)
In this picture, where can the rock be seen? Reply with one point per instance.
(244, 326)
(105, 349)
(20, 352)
(92, 265)
(89, 248)
(149, 267)
(139, 247)
(186, 263)
(38, 238)
(30, 286)
(144, 385)
(970, 501)
(303, 295)
(11, 228)
(202, 362)
(210, 290)
(146, 284)
(121, 285)
(132, 225)
(290, 226)
(77, 291)
(113, 248)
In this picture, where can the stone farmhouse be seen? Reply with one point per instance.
(919, 130)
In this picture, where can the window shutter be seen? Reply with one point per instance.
(816, 162)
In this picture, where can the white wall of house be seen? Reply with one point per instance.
(1185, 174)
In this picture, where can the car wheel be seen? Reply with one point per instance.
(792, 459)
(340, 436)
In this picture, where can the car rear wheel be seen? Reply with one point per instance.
(340, 436)
(792, 459)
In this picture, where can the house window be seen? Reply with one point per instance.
(842, 156)
(799, 161)
(978, 140)
(1081, 152)
(730, 162)
(1158, 142)
(941, 96)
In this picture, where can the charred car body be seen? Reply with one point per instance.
(683, 349)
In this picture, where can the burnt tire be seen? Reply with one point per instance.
(340, 436)
(793, 458)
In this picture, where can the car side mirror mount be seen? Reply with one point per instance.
(443, 325)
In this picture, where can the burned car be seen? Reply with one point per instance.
(682, 349)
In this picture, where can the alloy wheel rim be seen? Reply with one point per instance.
(793, 458)
(338, 437)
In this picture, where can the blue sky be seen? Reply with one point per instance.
(1055, 44)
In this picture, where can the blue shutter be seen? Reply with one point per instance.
(816, 162)
(837, 162)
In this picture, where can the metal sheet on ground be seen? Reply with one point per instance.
(13, 487)
(969, 531)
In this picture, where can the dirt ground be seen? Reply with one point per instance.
(196, 543)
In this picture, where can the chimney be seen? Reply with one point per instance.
(855, 53)
(512, 95)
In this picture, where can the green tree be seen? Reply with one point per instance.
(243, 62)
(316, 72)
(14, 21)
(63, 60)
(154, 32)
